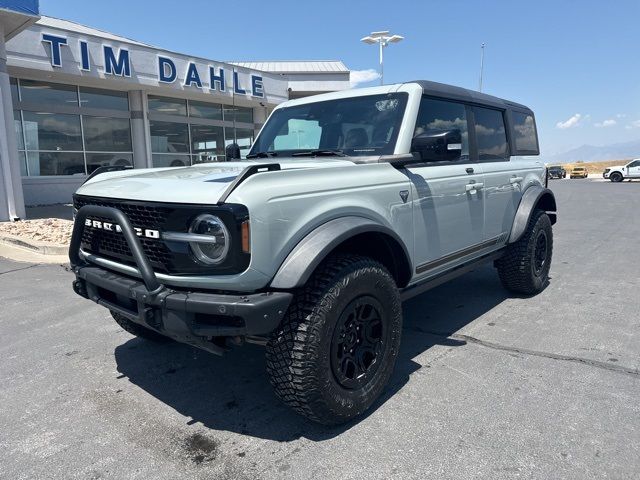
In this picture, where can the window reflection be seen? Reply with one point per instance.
(43, 92)
(490, 133)
(107, 134)
(169, 137)
(52, 131)
(438, 116)
(167, 106)
(106, 99)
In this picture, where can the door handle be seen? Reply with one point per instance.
(516, 179)
(469, 187)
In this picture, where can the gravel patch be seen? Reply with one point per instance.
(48, 230)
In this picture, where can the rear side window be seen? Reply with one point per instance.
(440, 116)
(524, 132)
(491, 135)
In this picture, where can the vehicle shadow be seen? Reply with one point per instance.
(233, 393)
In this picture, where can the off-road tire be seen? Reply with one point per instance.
(138, 330)
(300, 351)
(518, 270)
(616, 177)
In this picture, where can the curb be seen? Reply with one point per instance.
(34, 245)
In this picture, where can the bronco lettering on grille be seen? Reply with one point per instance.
(113, 227)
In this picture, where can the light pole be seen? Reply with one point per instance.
(382, 39)
(481, 65)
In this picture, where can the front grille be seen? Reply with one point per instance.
(112, 245)
(169, 257)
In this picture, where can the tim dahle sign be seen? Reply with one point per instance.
(117, 61)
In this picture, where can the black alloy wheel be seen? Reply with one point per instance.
(359, 342)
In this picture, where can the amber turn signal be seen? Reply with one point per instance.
(246, 236)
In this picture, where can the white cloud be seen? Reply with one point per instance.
(574, 121)
(621, 115)
(363, 76)
(634, 124)
(610, 122)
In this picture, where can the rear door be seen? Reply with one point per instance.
(448, 206)
(502, 178)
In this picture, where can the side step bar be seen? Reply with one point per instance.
(433, 282)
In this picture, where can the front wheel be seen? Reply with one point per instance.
(335, 350)
(524, 268)
(616, 177)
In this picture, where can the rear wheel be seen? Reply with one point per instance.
(616, 177)
(335, 350)
(524, 268)
(138, 330)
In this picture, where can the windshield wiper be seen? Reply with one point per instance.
(263, 154)
(319, 153)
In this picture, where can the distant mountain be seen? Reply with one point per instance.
(592, 153)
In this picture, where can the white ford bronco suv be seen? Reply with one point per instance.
(348, 204)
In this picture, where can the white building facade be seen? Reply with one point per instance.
(76, 98)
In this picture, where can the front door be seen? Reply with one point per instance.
(448, 205)
(633, 169)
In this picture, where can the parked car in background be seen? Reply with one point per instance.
(579, 172)
(557, 171)
(627, 172)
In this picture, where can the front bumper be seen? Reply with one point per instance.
(194, 317)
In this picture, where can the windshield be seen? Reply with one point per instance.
(356, 126)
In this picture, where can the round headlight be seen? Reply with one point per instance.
(213, 250)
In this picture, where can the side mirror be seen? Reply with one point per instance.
(232, 152)
(438, 145)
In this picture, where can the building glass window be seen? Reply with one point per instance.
(207, 143)
(238, 114)
(13, 83)
(170, 160)
(106, 134)
(52, 131)
(200, 136)
(490, 134)
(169, 137)
(104, 99)
(96, 160)
(212, 111)
(243, 137)
(55, 163)
(53, 141)
(23, 164)
(17, 125)
(48, 93)
(167, 106)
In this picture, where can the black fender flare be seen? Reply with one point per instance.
(533, 197)
(314, 248)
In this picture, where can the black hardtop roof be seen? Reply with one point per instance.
(436, 89)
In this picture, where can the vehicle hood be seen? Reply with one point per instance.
(202, 183)
(615, 167)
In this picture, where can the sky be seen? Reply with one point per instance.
(576, 64)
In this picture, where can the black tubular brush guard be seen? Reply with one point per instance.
(194, 317)
(148, 276)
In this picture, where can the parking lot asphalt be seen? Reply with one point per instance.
(487, 385)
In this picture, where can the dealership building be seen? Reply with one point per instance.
(75, 98)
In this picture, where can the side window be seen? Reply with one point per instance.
(634, 164)
(441, 116)
(524, 128)
(490, 134)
